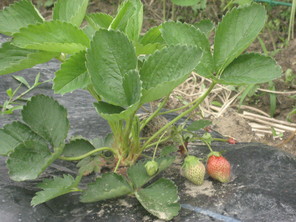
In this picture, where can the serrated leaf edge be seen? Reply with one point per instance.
(65, 113)
(17, 3)
(72, 15)
(241, 7)
(149, 57)
(50, 23)
(277, 65)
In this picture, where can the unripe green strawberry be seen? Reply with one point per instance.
(218, 167)
(151, 167)
(193, 170)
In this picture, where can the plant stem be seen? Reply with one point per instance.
(292, 20)
(173, 11)
(92, 91)
(197, 102)
(155, 113)
(77, 181)
(210, 148)
(263, 46)
(154, 153)
(183, 144)
(146, 156)
(177, 109)
(117, 164)
(25, 92)
(87, 154)
(161, 141)
(164, 10)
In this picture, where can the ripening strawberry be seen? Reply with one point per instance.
(218, 167)
(193, 170)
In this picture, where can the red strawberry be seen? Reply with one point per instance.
(193, 170)
(218, 167)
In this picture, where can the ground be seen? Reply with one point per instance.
(230, 121)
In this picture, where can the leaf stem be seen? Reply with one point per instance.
(77, 181)
(177, 109)
(210, 148)
(117, 164)
(92, 91)
(197, 102)
(155, 113)
(87, 154)
(173, 11)
(164, 10)
(161, 141)
(154, 153)
(183, 144)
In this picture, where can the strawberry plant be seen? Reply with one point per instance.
(123, 70)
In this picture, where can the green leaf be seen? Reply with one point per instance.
(160, 199)
(18, 15)
(7, 143)
(14, 59)
(205, 26)
(71, 11)
(132, 86)
(103, 141)
(137, 172)
(10, 109)
(124, 12)
(29, 160)
(89, 164)
(251, 69)
(114, 113)
(52, 188)
(236, 32)
(166, 69)
(47, 118)
(243, 2)
(168, 150)
(22, 80)
(9, 92)
(110, 185)
(272, 99)
(77, 147)
(99, 20)
(135, 22)
(89, 31)
(179, 33)
(199, 124)
(110, 57)
(186, 2)
(153, 35)
(72, 75)
(147, 49)
(129, 19)
(36, 81)
(55, 36)
(22, 132)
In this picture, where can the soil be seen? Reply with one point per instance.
(231, 123)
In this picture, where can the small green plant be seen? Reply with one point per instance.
(122, 70)
(16, 99)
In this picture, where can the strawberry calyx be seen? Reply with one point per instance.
(214, 153)
(190, 161)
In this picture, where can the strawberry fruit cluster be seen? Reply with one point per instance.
(217, 168)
